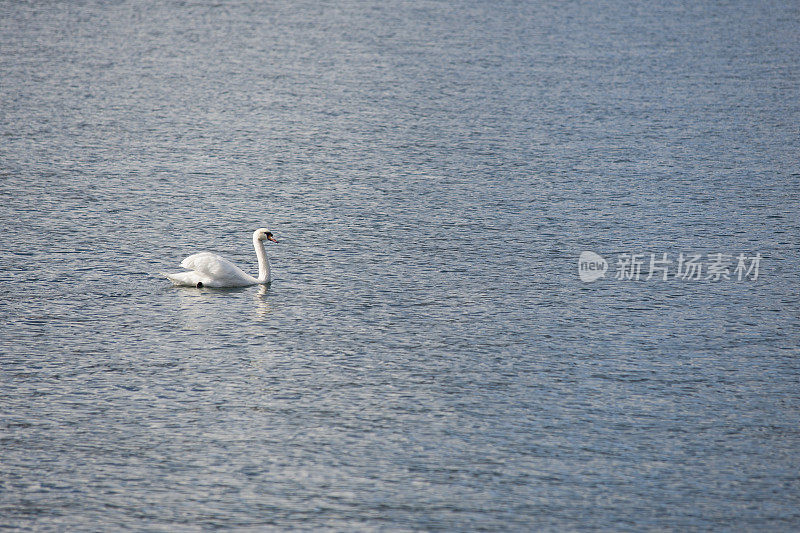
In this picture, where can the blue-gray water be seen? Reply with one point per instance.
(427, 357)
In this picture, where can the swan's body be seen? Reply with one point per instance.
(210, 270)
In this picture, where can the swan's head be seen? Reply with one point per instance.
(263, 234)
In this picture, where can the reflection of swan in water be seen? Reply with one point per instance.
(199, 308)
(262, 303)
(210, 270)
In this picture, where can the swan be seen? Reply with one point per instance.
(210, 270)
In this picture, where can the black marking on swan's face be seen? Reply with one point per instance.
(268, 236)
(199, 285)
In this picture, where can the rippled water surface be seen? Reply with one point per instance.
(426, 357)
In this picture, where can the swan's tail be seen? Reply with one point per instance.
(183, 279)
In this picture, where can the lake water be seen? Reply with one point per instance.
(427, 356)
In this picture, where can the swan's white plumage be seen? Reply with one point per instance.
(211, 270)
(218, 271)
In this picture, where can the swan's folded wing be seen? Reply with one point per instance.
(213, 266)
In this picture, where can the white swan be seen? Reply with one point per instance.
(210, 270)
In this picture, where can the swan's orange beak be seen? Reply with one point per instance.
(270, 237)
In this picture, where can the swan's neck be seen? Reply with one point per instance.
(263, 262)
